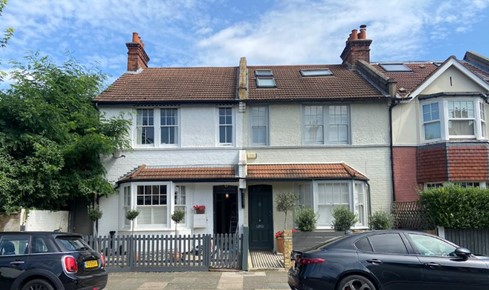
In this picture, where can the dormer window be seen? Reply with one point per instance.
(316, 72)
(395, 67)
(265, 79)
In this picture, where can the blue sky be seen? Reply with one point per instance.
(219, 32)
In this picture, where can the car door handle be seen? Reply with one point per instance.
(375, 261)
(16, 263)
(432, 265)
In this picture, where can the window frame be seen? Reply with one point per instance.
(327, 126)
(432, 120)
(172, 127)
(256, 120)
(352, 203)
(231, 125)
(141, 126)
(479, 123)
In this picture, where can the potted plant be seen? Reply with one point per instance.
(199, 208)
(285, 203)
(131, 215)
(343, 218)
(177, 217)
(94, 214)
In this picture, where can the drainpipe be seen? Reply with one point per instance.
(394, 102)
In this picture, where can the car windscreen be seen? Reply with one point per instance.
(72, 243)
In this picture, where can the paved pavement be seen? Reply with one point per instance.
(258, 280)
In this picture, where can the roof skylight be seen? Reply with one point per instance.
(265, 82)
(316, 72)
(393, 67)
(263, 73)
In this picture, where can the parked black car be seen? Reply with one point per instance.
(387, 260)
(48, 261)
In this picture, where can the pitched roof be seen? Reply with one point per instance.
(152, 85)
(153, 173)
(303, 171)
(408, 81)
(255, 172)
(291, 85)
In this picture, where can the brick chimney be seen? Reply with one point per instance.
(136, 56)
(357, 47)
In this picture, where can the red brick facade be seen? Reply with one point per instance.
(405, 173)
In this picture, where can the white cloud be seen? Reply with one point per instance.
(219, 32)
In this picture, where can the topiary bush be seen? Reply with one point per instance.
(381, 220)
(343, 218)
(305, 219)
(455, 207)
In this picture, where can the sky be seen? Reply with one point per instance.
(218, 32)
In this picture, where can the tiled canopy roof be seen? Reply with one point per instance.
(255, 172)
(146, 173)
(303, 171)
(173, 84)
(291, 85)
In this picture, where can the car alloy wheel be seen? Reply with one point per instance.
(356, 282)
(38, 284)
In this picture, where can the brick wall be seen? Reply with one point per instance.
(405, 173)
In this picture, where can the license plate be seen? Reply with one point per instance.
(91, 264)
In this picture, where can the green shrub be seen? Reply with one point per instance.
(455, 207)
(305, 219)
(381, 220)
(344, 219)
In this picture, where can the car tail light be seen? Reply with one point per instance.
(102, 259)
(69, 264)
(307, 261)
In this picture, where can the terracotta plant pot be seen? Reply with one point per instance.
(280, 244)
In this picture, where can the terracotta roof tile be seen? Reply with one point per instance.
(255, 171)
(303, 171)
(145, 173)
(173, 84)
(468, 163)
(291, 85)
(409, 81)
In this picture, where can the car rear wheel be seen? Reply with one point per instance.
(38, 284)
(356, 282)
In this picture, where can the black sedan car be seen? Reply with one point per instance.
(388, 260)
(48, 261)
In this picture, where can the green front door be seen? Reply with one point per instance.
(260, 217)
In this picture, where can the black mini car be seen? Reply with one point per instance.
(48, 261)
(388, 260)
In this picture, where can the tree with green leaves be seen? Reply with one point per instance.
(9, 31)
(52, 136)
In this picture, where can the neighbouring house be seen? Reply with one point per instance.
(232, 138)
(438, 125)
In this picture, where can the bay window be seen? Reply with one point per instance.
(453, 118)
(331, 194)
(151, 202)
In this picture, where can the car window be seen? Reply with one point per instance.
(388, 243)
(431, 246)
(39, 245)
(364, 245)
(72, 243)
(13, 245)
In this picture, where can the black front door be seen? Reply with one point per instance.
(225, 209)
(260, 216)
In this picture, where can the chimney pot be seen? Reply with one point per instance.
(135, 37)
(363, 32)
(353, 35)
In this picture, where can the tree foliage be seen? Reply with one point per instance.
(9, 31)
(52, 136)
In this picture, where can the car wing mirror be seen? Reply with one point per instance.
(463, 253)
